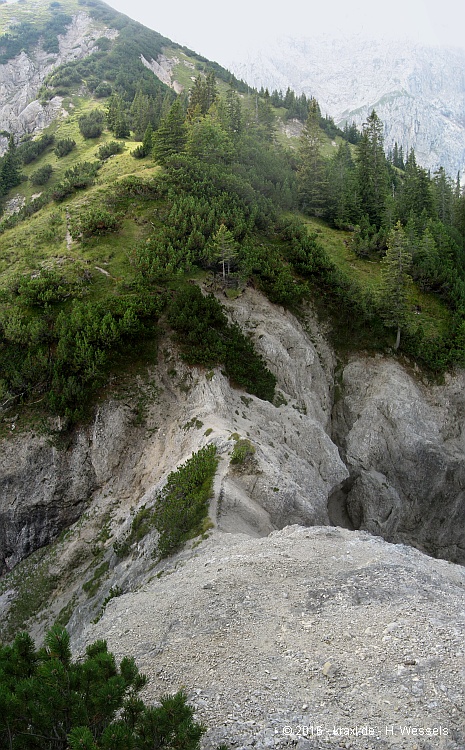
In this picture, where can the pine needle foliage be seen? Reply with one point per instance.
(182, 504)
(206, 338)
(47, 701)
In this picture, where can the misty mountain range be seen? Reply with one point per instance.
(418, 91)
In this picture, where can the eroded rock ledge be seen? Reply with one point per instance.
(389, 459)
(319, 626)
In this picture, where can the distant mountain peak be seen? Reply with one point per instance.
(417, 90)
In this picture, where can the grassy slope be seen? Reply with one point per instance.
(32, 11)
(42, 238)
(427, 308)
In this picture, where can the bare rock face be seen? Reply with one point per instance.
(389, 460)
(44, 488)
(22, 77)
(404, 444)
(293, 467)
(320, 627)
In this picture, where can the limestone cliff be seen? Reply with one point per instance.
(381, 452)
(22, 78)
(404, 444)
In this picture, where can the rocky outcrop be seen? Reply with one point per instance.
(163, 69)
(22, 78)
(319, 627)
(387, 459)
(417, 91)
(295, 464)
(45, 486)
(404, 445)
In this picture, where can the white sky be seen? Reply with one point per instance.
(223, 30)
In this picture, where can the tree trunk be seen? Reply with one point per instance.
(396, 346)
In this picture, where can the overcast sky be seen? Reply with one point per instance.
(222, 30)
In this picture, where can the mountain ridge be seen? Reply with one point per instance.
(417, 91)
(158, 298)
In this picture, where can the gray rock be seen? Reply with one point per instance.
(403, 443)
(22, 78)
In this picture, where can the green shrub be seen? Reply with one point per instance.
(81, 176)
(138, 152)
(42, 175)
(48, 700)
(109, 149)
(92, 124)
(94, 222)
(44, 288)
(243, 449)
(31, 150)
(182, 504)
(104, 88)
(64, 146)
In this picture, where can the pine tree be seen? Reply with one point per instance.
(372, 170)
(147, 143)
(224, 249)
(140, 114)
(202, 95)
(48, 701)
(211, 91)
(395, 280)
(342, 188)
(197, 99)
(10, 174)
(117, 121)
(171, 136)
(312, 169)
(208, 141)
(415, 195)
(233, 109)
(443, 190)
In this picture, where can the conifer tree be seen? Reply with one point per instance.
(265, 117)
(10, 174)
(233, 109)
(312, 169)
(171, 136)
(202, 95)
(372, 170)
(211, 94)
(342, 188)
(147, 143)
(415, 195)
(197, 98)
(116, 117)
(443, 190)
(395, 280)
(224, 249)
(140, 114)
(48, 701)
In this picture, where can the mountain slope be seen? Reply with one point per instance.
(418, 92)
(86, 32)
(150, 437)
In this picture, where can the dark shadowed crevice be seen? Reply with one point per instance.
(337, 504)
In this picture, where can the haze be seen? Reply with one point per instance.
(225, 32)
